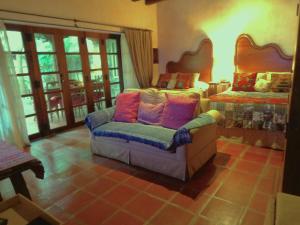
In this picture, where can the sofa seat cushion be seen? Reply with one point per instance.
(156, 136)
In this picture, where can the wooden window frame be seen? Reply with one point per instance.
(35, 74)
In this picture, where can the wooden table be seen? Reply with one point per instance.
(13, 162)
(25, 209)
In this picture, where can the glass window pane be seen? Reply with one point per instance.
(15, 41)
(95, 61)
(57, 119)
(78, 97)
(99, 105)
(113, 101)
(115, 90)
(71, 44)
(24, 85)
(112, 61)
(80, 113)
(114, 76)
(97, 76)
(93, 45)
(54, 101)
(44, 42)
(51, 82)
(32, 125)
(98, 93)
(74, 62)
(20, 63)
(47, 63)
(76, 80)
(111, 46)
(28, 105)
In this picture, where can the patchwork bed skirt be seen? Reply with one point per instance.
(268, 117)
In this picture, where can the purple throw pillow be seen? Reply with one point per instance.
(150, 113)
(179, 110)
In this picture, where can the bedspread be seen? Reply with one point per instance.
(252, 110)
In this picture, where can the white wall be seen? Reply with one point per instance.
(184, 23)
(117, 12)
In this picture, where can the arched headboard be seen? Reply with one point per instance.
(250, 57)
(200, 61)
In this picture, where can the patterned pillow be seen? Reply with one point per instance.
(164, 79)
(184, 80)
(280, 82)
(244, 81)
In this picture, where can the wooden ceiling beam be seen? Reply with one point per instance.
(149, 2)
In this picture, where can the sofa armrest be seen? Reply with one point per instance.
(184, 134)
(201, 120)
(216, 115)
(96, 119)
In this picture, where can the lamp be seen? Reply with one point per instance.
(201, 85)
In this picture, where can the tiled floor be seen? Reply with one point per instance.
(82, 189)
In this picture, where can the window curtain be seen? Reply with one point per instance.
(140, 48)
(129, 77)
(12, 120)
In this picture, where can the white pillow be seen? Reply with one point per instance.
(262, 85)
(196, 77)
(261, 76)
(172, 82)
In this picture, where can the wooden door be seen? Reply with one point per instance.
(71, 73)
(291, 179)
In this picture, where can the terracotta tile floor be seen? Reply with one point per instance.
(81, 189)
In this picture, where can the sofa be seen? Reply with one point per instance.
(176, 153)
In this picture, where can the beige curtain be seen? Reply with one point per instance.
(12, 119)
(140, 47)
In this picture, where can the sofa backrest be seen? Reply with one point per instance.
(155, 96)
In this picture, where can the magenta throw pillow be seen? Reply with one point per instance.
(179, 110)
(127, 105)
(150, 113)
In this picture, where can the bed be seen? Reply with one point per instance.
(200, 61)
(192, 71)
(257, 118)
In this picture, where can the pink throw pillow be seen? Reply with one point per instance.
(127, 105)
(150, 113)
(179, 110)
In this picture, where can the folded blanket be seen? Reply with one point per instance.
(155, 136)
(183, 136)
(100, 123)
(99, 118)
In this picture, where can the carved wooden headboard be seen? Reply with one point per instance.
(200, 61)
(250, 57)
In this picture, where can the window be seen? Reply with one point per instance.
(17, 48)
